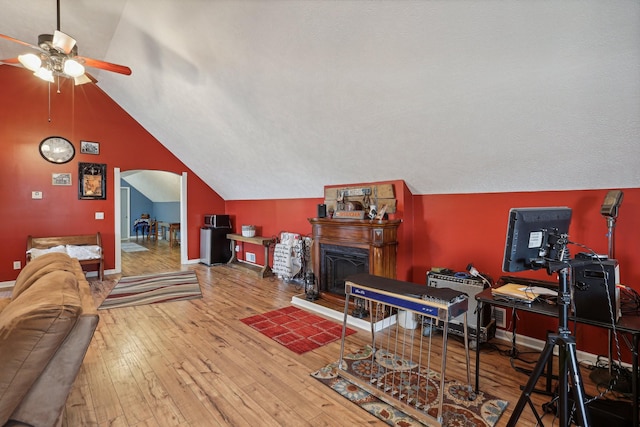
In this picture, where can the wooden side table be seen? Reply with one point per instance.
(258, 270)
(174, 228)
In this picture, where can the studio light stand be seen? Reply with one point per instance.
(567, 362)
(609, 210)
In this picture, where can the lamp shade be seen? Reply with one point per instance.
(30, 61)
(45, 74)
(73, 68)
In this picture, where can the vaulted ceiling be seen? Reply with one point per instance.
(275, 99)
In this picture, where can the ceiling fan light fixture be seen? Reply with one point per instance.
(45, 74)
(30, 61)
(73, 68)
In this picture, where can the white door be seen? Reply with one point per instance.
(125, 224)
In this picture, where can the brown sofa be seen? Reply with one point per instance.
(45, 329)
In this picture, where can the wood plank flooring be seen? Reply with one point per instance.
(193, 363)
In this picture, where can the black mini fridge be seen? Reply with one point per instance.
(214, 245)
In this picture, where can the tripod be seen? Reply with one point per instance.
(567, 361)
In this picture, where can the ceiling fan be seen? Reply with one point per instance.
(57, 55)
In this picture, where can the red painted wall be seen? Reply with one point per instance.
(457, 229)
(77, 113)
(454, 230)
(437, 230)
(271, 217)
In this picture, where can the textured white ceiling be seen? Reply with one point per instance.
(275, 99)
(157, 186)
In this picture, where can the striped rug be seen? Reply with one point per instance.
(153, 288)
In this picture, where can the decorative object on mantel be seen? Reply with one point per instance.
(358, 202)
(349, 214)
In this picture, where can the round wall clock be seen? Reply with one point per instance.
(57, 149)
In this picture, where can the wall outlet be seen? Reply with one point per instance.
(17, 265)
(250, 256)
(500, 315)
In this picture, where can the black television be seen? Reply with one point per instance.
(532, 237)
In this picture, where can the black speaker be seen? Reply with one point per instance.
(322, 210)
(591, 283)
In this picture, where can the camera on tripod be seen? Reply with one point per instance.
(537, 238)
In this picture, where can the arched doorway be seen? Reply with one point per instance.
(167, 186)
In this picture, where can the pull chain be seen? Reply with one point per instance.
(49, 99)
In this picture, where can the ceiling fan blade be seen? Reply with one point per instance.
(10, 61)
(103, 65)
(63, 42)
(19, 41)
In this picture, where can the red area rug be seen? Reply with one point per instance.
(296, 329)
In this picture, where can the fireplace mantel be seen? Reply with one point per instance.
(379, 237)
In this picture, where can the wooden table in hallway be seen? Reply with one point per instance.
(174, 229)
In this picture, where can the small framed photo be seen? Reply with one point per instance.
(88, 147)
(92, 181)
(61, 178)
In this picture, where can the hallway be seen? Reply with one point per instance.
(158, 258)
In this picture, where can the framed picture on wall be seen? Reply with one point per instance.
(88, 147)
(61, 178)
(92, 181)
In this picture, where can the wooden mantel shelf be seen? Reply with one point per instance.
(356, 232)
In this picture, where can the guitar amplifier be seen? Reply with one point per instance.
(471, 286)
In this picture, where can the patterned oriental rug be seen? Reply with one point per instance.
(296, 329)
(153, 288)
(417, 386)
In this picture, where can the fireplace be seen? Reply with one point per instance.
(342, 247)
(339, 262)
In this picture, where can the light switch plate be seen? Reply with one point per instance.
(36, 194)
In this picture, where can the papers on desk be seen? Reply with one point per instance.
(521, 293)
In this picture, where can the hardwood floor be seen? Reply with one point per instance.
(159, 257)
(193, 363)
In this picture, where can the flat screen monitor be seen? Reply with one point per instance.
(532, 235)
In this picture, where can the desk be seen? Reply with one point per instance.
(627, 324)
(260, 271)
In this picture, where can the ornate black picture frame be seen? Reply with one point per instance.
(92, 181)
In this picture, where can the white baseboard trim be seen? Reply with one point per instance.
(7, 286)
(301, 302)
(538, 345)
